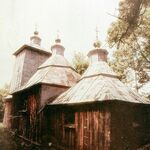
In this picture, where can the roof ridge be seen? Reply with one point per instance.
(99, 88)
(57, 66)
(100, 74)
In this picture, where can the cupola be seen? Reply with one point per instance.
(57, 48)
(35, 39)
(97, 54)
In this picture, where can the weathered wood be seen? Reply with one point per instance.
(53, 74)
(27, 62)
(30, 141)
(98, 113)
(7, 120)
(92, 129)
(98, 83)
(60, 147)
(130, 125)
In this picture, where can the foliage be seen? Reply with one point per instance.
(6, 140)
(9, 141)
(3, 93)
(80, 63)
(131, 36)
(133, 19)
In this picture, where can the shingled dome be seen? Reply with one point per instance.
(98, 83)
(55, 71)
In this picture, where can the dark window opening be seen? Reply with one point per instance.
(69, 119)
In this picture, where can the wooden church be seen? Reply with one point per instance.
(99, 112)
(54, 108)
(40, 77)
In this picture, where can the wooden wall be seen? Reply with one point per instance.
(49, 92)
(17, 104)
(130, 126)
(32, 61)
(7, 113)
(110, 126)
(55, 123)
(32, 109)
(25, 118)
(26, 105)
(26, 64)
(17, 71)
(93, 130)
(90, 131)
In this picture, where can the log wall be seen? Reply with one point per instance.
(113, 126)
(93, 130)
(49, 92)
(26, 105)
(27, 62)
(90, 131)
(32, 61)
(7, 114)
(25, 118)
(130, 126)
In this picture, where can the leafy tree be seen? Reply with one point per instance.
(80, 63)
(3, 93)
(130, 34)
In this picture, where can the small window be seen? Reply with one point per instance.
(69, 119)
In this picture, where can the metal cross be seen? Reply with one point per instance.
(36, 26)
(58, 34)
(97, 31)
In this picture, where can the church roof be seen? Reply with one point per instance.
(35, 45)
(99, 83)
(54, 71)
(56, 60)
(97, 68)
(36, 48)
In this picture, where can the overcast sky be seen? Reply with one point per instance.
(75, 19)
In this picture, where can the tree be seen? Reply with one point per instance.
(130, 34)
(80, 63)
(3, 93)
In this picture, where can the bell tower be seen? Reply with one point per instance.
(28, 58)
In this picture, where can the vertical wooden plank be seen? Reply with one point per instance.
(79, 126)
(100, 130)
(91, 124)
(63, 131)
(107, 131)
(93, 130)
(76, 131)
(96, 130)
(81, 131)
(88, 131)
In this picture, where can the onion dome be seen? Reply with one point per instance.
(35, 39)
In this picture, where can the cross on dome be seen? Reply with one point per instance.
(97, 32)
(58, 40)
(97, 43)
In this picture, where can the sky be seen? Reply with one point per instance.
(76, 21)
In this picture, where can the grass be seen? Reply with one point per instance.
(11, 142)
(7, 141)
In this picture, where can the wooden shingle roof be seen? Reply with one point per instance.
(55, 71)
(56, 60)
(99, 83)
(32, 47)
(100, 67)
